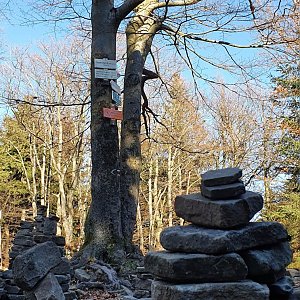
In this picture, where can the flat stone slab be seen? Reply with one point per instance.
(221, 214)
(263, 263)
(182, 267)
(195, 239)
(243, 290)
(221, 176)
(222, 192)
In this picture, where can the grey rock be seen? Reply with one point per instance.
(82, 275)
(50, 226)
(1, 283)
(62, 268)
(7, 274)
(12, 289)
(296, 293)
(13, 254)
(24, 241)
(221, 176)
(41, 238)
(29, 295)
(16, 297)
(143, 284)
(181, 267)
(2, 293)
(24, 232)
(71, 295)
(49, 289)
(222, 192)
(243, 290)
(18, 248)
(293, 272)
(31, 266)
(26, 225)
(284, 286)
(133, 298)
(65, 287)
(195, 239)
(218, 214)
(141, 294)
(265, 262)
(63, 278)
(59, 240)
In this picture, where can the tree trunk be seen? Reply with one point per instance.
(138, 47)
(103, 234)
(130, 145)
(170, 186)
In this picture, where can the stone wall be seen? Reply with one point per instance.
(37, 268)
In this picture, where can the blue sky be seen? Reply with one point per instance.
(25, 36)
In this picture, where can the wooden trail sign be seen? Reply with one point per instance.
(112, 113)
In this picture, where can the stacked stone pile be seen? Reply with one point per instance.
(23, 240)
(42, 273)
(37, 251)
(221, 255)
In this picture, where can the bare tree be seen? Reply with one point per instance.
(50, 95)
(189, 26)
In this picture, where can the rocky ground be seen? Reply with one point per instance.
(100, 281)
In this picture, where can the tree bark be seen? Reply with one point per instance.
(139, 33)
(103, 235)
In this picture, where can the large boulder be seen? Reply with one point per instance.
(195, 239)
(221, 176)
(242, 290)
(181, 267)
(265, 262)
(34, 264)
(221, 214)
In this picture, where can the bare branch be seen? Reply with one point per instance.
(126, 8)
(220, 42)
(39, 104)
(175, 3)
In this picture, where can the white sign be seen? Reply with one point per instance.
(105, 63)
(106, 74)
(115, 87)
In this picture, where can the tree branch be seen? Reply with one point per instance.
(220, 42)
(175, 3)
(126, 8)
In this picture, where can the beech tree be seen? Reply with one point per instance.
(189, 26)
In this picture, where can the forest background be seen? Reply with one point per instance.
(212, 108)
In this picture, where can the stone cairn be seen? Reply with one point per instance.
(221, 255)
(38, 268)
